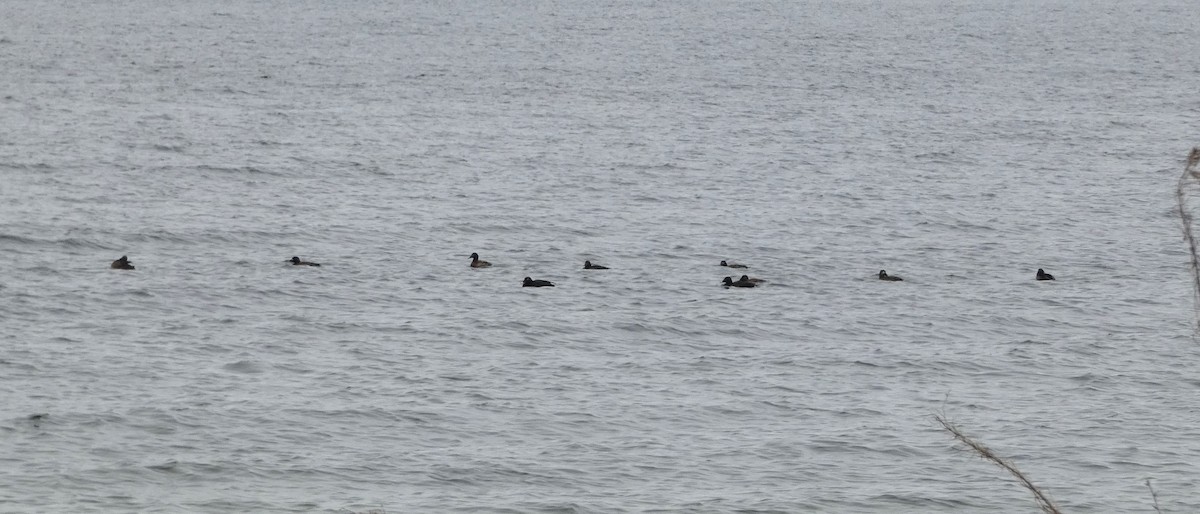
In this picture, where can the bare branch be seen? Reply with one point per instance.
(1190, 175)
(1153, 494)
(1040, 497)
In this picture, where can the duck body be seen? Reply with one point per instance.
(122, 263)
(589, 265)
(884, 276)
(297, 262)
(739, 266)
(748, 278)
(1042, 275)
(476, 263)
(728, 282)
(529, 282)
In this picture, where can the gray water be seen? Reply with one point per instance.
(961, 145)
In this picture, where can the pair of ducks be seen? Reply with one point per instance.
(528, 282)
(1041, 275)
(123, 263)
(476, 263)
(745, 281)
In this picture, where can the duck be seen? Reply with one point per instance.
(728, 265)
(1042, 275)
(529, 282)
(297, 262)
(122, 263)
(728, 282)
(476, 263)
(884, 276)
(589, 265)
(746, 278)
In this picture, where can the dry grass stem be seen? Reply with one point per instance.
(1040, 497)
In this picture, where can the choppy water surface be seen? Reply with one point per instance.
(960, 145)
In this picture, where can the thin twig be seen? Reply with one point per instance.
(1153, 495)
(1040, 497)
(1190, 174)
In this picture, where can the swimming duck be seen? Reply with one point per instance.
(1042, 275)
(529, 282)
(884, 276)
(122, 263)
(476, 263)
(727, 265)
(728, 282)
(589, 265)
(746, 278)
(297, 262)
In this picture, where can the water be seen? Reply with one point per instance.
(959, 145)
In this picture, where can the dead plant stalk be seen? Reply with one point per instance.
(1040, 497)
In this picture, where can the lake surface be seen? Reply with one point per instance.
(960, 145)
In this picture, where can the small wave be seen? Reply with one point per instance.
(168, 148)
(79, 242)
(67, 243)
(243, 366)
(21, 366)
(231, 90)
(237, 170)
(11, 239)
(168, 466)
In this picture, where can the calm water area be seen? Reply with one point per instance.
(959, 145)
